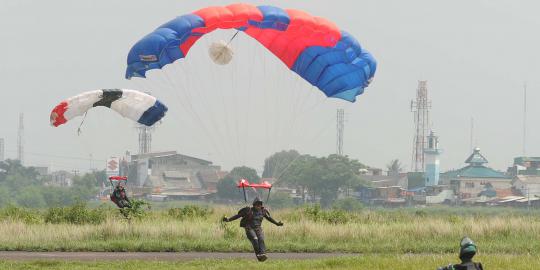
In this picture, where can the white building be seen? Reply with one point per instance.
(528, 185)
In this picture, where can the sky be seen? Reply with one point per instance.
(476, 56)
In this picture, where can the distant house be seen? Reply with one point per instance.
(476, 179)
(174, 175)
(59, 179)
(527, 185)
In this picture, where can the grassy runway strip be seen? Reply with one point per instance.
(373, 261)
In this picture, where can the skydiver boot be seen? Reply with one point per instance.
(262, 257)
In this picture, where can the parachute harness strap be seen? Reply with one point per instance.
(79, 131)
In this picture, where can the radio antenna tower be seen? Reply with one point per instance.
(340, 128)
(20, 139)
(524, 119)
(420, 107)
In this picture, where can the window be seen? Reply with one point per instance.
(469, 185)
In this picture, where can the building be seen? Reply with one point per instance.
(59, 179)
(527, 185)
(477, 179)
(431, 159)
(172, 174)
(525, 166)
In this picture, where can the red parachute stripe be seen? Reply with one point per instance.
(304, 30)
(57, 114)
(118, 178)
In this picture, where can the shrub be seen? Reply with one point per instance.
(78, 213)
(20, 214)
(334, 216)
(190, 212)
(137, 209)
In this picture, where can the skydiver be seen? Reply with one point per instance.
(467, 251)
(119, 197)
(251, 221)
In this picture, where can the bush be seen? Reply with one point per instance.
(20, 214)
(78, 213)
(334, 216)
(190, 212)
(137, 209)
(348, 204)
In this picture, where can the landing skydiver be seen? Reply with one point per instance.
(467, 251)
(119, 197)
(251, 221)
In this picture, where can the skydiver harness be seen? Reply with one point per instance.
(249, 218)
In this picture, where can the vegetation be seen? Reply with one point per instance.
(373, 262)
(23, 186)
(324, 177)
(307, 229)
(226, 187)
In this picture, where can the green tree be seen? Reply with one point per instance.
(394, 167)
(278, 163)
(325, 177)
(226, 187)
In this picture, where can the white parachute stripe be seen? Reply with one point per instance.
(79, 104)
(133, 104)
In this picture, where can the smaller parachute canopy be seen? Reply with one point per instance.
(243, 183)
(137, 106)
(118, 178)
(220, 52)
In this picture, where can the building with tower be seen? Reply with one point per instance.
(431, 160)
(476, 179)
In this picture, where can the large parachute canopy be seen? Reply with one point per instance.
(137, 106)
(313, 47)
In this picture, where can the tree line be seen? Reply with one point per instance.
(24, 186)
(316, 179)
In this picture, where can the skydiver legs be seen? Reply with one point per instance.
(256, 237)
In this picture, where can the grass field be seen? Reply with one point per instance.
(372, 262)
(437, 230)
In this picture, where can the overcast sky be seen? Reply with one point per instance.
(475, 55)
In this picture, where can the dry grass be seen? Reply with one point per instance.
(367, 232)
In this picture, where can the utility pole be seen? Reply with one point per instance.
(340, 127)
(524, 119)
(2, 149)
(20, 139)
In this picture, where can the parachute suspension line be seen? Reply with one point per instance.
(188, 98)
(268, 196)
(235, 34)
(310, 140)
(177, 89)
(248, 103)
(229, 135)
(245, 195)
(79, 131)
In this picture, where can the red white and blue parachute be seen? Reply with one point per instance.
(313, 47)
(137, 106)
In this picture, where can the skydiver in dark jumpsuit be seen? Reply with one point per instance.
(251, 221)
(119, 197)
(467, 251)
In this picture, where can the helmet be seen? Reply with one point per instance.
(467, 248)
(257, 201)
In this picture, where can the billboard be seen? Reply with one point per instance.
(113, 166)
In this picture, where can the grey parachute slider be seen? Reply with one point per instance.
(220, 52)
